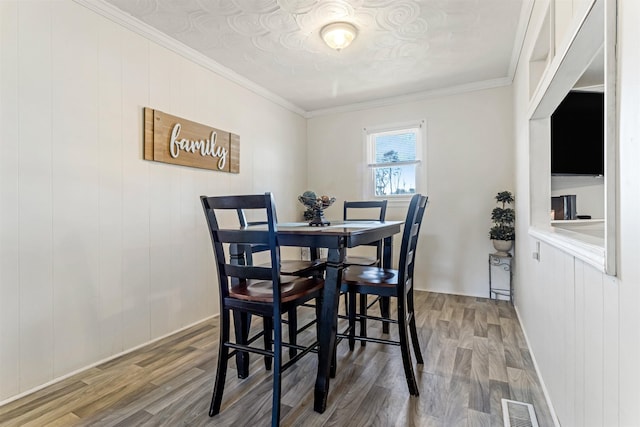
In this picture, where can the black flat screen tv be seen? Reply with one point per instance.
(577, 135)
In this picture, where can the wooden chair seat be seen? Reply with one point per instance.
(291, 288)
(357, 275)
(361, 260)
(292, 267)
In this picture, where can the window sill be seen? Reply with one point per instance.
(396, 201)
(588, 248)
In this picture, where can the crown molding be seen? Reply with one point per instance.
(414, 97)
(116, 15)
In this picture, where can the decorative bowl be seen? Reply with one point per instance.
(317, 205)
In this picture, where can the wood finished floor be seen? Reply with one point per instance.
(474, 350)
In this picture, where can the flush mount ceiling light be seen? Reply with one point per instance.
(338, 35)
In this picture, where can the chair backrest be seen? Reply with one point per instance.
(250, 249)
(410, 235)
(243, 236)
(354, 211)
(350, 209)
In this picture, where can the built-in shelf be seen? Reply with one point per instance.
(584, 57)
(584, 246)
(541, 54)
(577, 221)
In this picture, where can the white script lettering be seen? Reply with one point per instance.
(206, 147)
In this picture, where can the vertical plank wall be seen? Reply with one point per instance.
(582, 325)
(571, 320)
(102, 251)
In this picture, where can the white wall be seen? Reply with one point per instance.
(101, 251)
(582, 325)
(589, 191)
(468, 160)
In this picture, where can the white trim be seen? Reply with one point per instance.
(582, 246)
(413, 97)
(518, 45)
(387, 164)
(368, 192)
(100, 362)
(545, 391)
(116, 15)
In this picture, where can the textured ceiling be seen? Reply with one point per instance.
(403, 46)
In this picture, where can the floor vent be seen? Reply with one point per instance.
(518, 414)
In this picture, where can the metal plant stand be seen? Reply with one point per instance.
(504, 262)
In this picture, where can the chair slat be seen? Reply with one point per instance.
(248, 272)
(243, 236)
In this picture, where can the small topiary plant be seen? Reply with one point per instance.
(503, 218)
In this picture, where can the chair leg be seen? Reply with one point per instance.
(292, 315)
(267, 323)
(346, 303)
(223, 359)
(352, 318)
(241, 323)
(405, 350)
(413, 330)
(363, 319)
(384, 312)
(277, 371)
(333, 367)
(414, 339)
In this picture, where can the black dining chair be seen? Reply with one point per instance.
(398, 284)
(366, 210)
(288, 267)
(258, 290)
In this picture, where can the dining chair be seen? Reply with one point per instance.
(398, 284)
(259, 290)
(288, 267)
(366, 210)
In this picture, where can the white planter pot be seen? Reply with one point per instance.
(502, 246)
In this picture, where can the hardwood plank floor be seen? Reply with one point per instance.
(474, 350)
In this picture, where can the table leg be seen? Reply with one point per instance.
(328, 326)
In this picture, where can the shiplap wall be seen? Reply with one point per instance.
(570, 312)
(584, 326)
(101, 251)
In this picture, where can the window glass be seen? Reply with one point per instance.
(394, 159)
(392, 178)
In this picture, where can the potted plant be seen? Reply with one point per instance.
(503, 232)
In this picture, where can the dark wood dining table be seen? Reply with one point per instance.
(335, 237)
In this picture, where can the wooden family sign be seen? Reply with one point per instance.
(170, 139)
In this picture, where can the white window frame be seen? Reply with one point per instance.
(369, 155)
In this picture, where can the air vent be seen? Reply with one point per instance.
(518, 414)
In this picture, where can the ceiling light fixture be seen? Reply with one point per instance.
(338, 35)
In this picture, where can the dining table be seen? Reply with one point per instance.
(335, 238)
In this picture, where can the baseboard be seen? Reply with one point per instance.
(547, 398)
(99, 362)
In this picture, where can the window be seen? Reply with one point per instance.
(393, 155)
